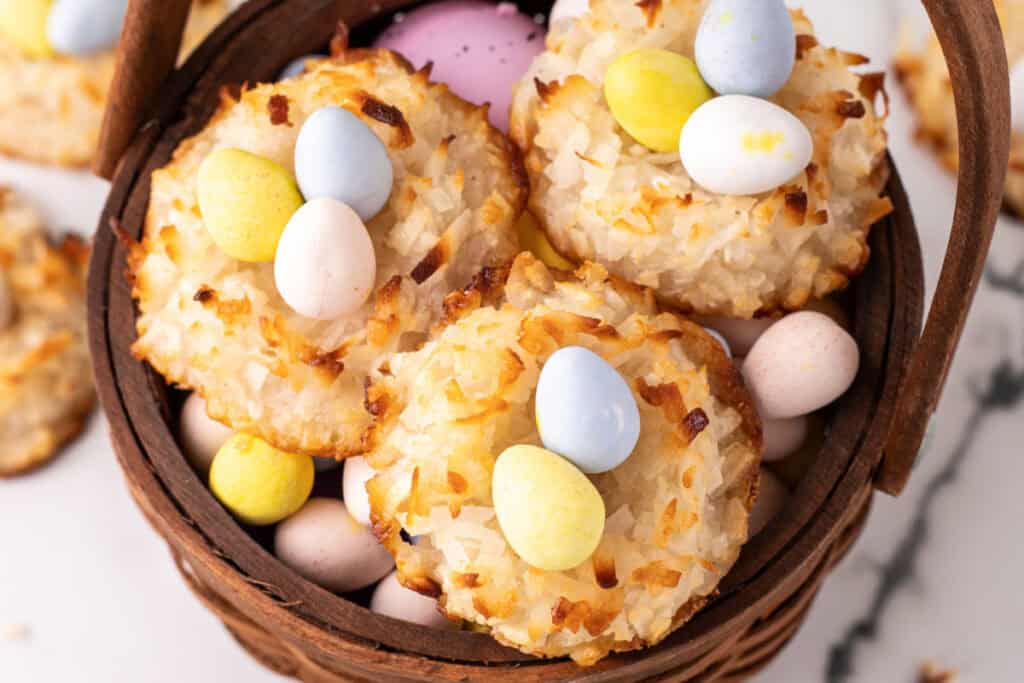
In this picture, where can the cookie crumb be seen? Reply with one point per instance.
(933, 673)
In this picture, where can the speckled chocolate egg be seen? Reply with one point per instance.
(772, 496)
(353, 488)
(201, 436)
(741, 334)
(783, 437)
(325, 545)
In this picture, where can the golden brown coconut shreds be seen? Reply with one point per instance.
(51, 109)
(216, 325)
(677, 508)
(603, 197)
(922, 71)
(46, 387)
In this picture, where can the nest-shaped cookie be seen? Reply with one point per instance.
(604, 197)
(51, 109)
(922, 71)
(46, 387)
(219, 326)
(677, 508)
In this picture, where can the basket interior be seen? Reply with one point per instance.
(886, 315)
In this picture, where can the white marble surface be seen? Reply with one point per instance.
(88, 592)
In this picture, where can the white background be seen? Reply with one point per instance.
(88, 592)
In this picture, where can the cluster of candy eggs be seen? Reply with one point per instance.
(78, 28)
(736, 142)
(326, 540)
(313, 225)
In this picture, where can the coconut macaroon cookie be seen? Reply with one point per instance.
(450, 415)
(46, 387)
(52, 101)
(221, 325)
(631, 203)
(923, 73)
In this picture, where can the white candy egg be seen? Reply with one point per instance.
(353, 488)
(325, 545)
(325, 265)
(586, 411)
(741, 334)
(6, 302)
(783, 437)
(720, 338)
(772, 495)
(82, 27)
(802, 363)
(567, 10)
(394, 600)
(741, 145)
(201, 436)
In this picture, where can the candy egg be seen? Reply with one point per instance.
(296, 67)
(325, 266)
(783, 437)
(394, 600)
(772, 495)
(746, 47)
(326, 546)
(550, 513)
(585, 410)
(23, 24)
(6, 302)
(1017, 95)
(259, 484)
(353, 488)
(201, 436)
(718, 337)
(802, 363)
(82, 27)
(339, 156)
(246, 201)
(740, 145)
(479, 49)
(567, 10)
(652, 93)
(533, 239)
(741, 334)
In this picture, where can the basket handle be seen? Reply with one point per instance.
(973, 44)
(150, 44)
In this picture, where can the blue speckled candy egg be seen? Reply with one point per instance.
(296, 67)
(81, 27)
(338, 156)
(585, 410)
(746, 47)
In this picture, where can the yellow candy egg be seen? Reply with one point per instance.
(533, 239)
(23, 23)
(550, 513)
(246, 201)
(652, 93)
(258, 483)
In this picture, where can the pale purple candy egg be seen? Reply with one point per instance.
(771, 498)
(481, 50)
(394, 600)
(801, 364)
(325, 545)
(200, 435)
(741, 334)
(783, 437)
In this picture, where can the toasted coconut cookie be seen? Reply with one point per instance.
(46, 388)
(677, 508)
(220, 327)
(922, 71)
(604, 197)
(51, 109)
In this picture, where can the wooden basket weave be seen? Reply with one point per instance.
(299, 629)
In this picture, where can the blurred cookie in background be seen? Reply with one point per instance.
(56, 66)
(46, 386)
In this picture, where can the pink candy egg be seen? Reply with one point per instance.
(741, 334)
(772, 495)
(325, 545)
(201, 436)
(800, 364)
(783, 437)
(479, 49)
(394, 600)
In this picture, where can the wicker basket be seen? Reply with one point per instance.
(302, 630)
